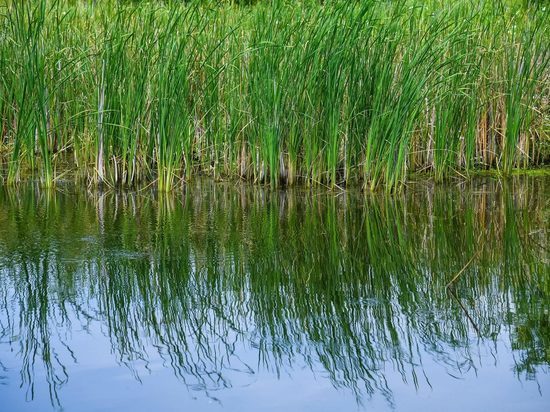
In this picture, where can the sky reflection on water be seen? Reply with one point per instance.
(236, 298)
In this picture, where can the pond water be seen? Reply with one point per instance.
(232, 298)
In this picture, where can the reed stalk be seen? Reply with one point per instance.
(333, 93)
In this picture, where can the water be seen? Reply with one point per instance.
(233, 298)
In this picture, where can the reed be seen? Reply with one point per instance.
(338, 93)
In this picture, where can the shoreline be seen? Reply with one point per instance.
(414, 178)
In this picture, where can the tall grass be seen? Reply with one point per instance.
(331, 94)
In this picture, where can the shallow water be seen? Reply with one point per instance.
(233, 298)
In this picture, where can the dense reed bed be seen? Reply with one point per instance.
(364, 93)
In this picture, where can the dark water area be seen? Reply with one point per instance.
(234, 298)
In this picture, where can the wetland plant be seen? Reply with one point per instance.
(332, 93)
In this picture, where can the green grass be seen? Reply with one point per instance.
(340, 93)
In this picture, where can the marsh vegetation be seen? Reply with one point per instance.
(321, 93)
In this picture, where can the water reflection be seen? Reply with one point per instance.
(348, 284)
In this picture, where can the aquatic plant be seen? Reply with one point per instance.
(332, 93)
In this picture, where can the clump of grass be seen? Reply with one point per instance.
(322, 94)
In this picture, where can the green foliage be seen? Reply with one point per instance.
(128, 93)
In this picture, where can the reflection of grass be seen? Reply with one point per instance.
(280, 92)
(344, 281)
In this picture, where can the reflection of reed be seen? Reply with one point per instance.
(342, 281)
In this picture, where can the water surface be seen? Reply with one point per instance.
(232, 298)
